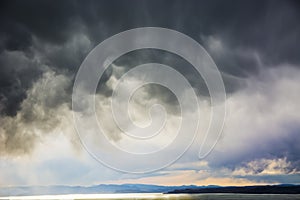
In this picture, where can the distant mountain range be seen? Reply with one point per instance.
(143, 188)
(103, 188)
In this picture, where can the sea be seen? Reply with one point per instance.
(154, 196)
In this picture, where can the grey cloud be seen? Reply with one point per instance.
(262, 122)
(17, 73)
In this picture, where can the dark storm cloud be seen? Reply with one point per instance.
(38, 36)
(17, 72)
(266, 27)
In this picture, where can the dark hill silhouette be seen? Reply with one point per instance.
(266, 189)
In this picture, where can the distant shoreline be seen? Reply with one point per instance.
(266, 189)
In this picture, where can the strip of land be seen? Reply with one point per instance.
(267, 189)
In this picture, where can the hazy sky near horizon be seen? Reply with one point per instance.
(255, 45)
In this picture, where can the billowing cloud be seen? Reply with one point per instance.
(263, 166)
(40, 113)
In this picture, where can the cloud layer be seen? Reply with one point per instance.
(254, 44)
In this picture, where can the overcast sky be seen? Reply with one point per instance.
(255, 45)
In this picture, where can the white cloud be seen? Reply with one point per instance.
(279, 166)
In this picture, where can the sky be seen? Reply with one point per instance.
(254, 44)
